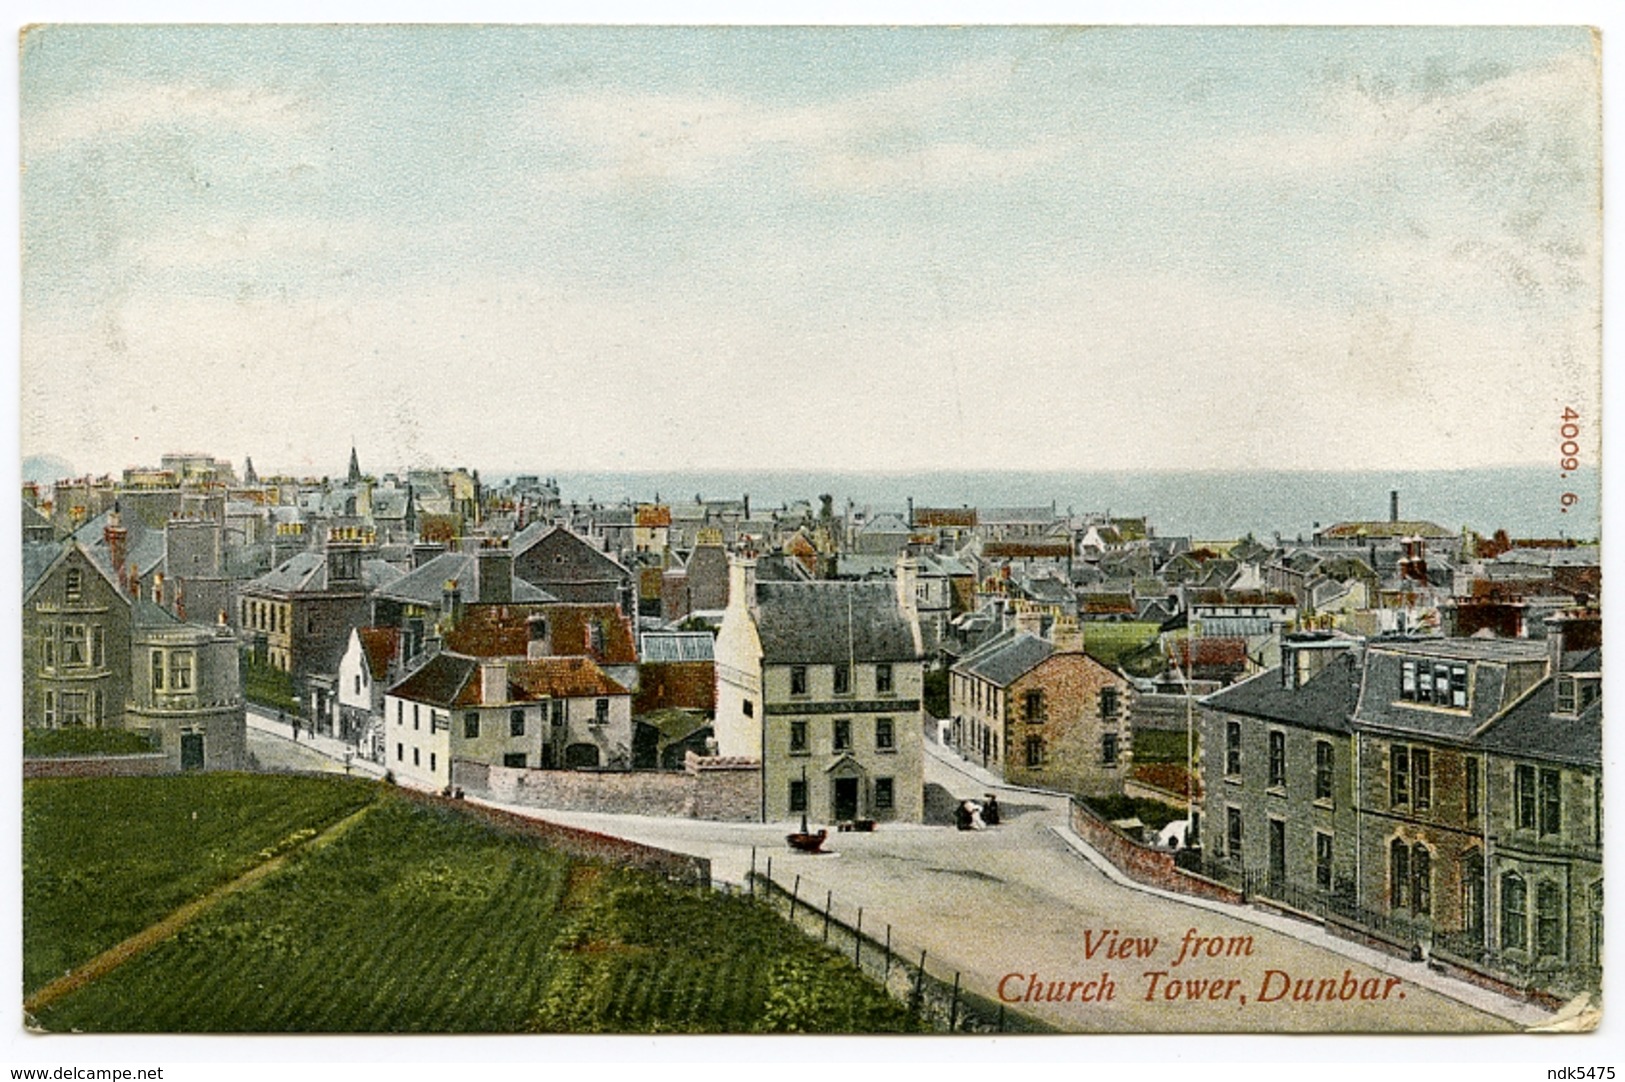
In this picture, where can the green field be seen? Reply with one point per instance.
(1115, 644)
(1160, 746)
(105, 857)
(82, 740)
(420, 919)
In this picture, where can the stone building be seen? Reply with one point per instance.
(185, 689)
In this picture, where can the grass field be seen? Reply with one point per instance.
(1114, 644)
(105, 857)
(1160, 746)
(422, 920)
(80, 740)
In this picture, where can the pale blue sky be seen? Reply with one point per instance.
(637, 247)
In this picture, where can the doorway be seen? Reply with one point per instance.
(846, 799)
(191, 751)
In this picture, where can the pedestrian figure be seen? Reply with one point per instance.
(962, 815)
(990, 811)
(976, 822)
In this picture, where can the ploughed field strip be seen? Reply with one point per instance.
(419, 919)
(105, 858)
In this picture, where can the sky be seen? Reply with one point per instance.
(602, 248)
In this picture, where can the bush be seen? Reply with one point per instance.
(53, 743)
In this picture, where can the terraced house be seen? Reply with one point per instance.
(821, 683)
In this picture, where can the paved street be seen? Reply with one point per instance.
(1022, 899)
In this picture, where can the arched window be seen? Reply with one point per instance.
(1399, 876)
(580, 755)
(1514, 912)
(1472, 894)
(1421, 880)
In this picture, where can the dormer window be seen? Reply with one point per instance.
(1575, 693)
(1422, 682)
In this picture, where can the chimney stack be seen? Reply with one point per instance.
(1393, 505)
(741, 582)
(118, 541)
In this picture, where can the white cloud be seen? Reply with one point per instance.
(252, 243)
(879, 138)
(129, 107)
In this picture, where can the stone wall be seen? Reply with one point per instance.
(586, 844)
(1149, 864)
(715, 788)
(102, 766)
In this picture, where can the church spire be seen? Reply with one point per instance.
(355, 466)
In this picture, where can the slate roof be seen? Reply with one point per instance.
(1530, 730)
(441, 681)
(1382, 708)
(37, 559)
(1324, 702)
(828, 622)
(426, 585)
(144, 613)
(1006, 659)
(666, 646)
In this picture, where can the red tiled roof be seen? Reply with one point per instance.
(379, 644)
(560, 678)
(1212, 651)
(996, 550)
(945, 516)
(571, 635)
(651, 515)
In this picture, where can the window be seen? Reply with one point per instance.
(48, 646)
(471, 725)
(798, 738)
(558, 711)
(98, 646)
(885, 738)
(431, 762)
(1565, 695)
(73, 585)
(1035, 752)
(1232, 747)
(798, 679)
(843, 679)
(798, 796)
(1399, 774)
(1323, 861)
(1407, 680)
(1110, 704)
(1444, 684)
(1399, 876)
(1421, 778)
(1232, 834)
(358, 684)
(514, 759)
(516, 723)
(885, 798)
(883, 681)
(1470, 787)
(749, 708)
(1549, 920)
(400, 712)
(1324, 757)
(1523, 796)
(414, 715)
(1033, 705)
(1514, 912)
(73, 644)
(1277, 759)
(1421, 881)
(180, 671)
(415, 760)
(843, 734)
(157, 670)
(600, 712)
(1108, 749)
(1551, 801)
(400, 752)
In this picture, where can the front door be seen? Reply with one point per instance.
(846, 799)
(1277, 851)
(191, 751)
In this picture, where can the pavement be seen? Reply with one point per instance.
(274, 745)
(1028, 907)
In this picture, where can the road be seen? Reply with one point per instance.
(1021, 904)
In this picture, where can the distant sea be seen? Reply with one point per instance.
(1211, 505)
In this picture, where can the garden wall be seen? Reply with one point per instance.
(1149, 864)
(98, 766)
(708, 787)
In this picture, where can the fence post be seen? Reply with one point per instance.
(857, 949)
(751, 879)
(829, 898)
(1001, 1016)
(886, 974)
(794, 891)
(770, 875)
(916, 1002)
(953, 1011)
